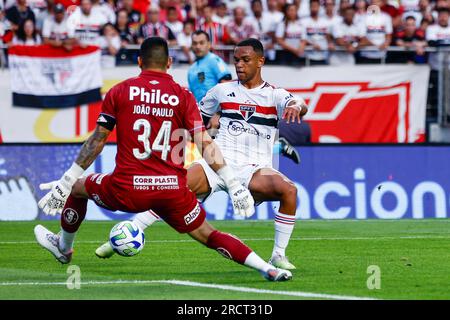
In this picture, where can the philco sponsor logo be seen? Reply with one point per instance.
(153, 97)
(70, 216)
(191, 216)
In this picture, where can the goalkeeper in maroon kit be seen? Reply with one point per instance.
(149, 112)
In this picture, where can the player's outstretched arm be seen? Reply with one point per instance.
(294, 111)
(243, 203)
(53, 202)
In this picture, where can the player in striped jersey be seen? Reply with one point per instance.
(251, 109)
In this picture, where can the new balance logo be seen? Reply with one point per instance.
(231, 95)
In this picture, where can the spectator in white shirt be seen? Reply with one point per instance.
(175, 25)
(56, 32)
(303, 8)
(347, 34)
(87, 24)
(109, 43)
(184, 40)
(376, 32)
(26, 34)
(316, 33)
(232, 4)
(289, 35)
(221, 14)
(273, 13)
(360, 11)
(240, 28)
(438, 35)
(426, 12)
(331, 12)
(105, 9)
(264, 28)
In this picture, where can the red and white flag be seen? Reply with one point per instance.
(48, 77)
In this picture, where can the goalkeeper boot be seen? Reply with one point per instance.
(277, 274)
(50, 241)
(105, 251)
(288, 150)
(281, 262)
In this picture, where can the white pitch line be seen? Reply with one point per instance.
(199, 285)
(268, 239)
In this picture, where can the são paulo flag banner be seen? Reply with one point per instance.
(47, 77)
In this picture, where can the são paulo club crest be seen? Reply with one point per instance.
(247, 111)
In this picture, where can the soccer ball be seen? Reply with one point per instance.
(127, 239)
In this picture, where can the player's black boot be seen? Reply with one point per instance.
(288, 150)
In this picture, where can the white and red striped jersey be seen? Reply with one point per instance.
(249, 120)
(87, 27)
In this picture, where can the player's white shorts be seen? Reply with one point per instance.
(243, 172)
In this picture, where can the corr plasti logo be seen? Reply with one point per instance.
(155, 180)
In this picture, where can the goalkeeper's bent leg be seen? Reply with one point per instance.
(72, 216)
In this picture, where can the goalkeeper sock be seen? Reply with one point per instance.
(256, 262)
(228, 246)
(66, 240)
(72, 216)
(284, 225)
(145, 219)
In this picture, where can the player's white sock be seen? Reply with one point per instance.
(66, 240)
(284, 225)
(145, 219)
(256, 262)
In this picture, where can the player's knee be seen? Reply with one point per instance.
(290, 192)
(79, 190)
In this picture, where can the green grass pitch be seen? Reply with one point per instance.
(413, 257)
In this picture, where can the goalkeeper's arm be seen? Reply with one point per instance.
(92, 147)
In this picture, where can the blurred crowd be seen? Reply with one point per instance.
(300, 30)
